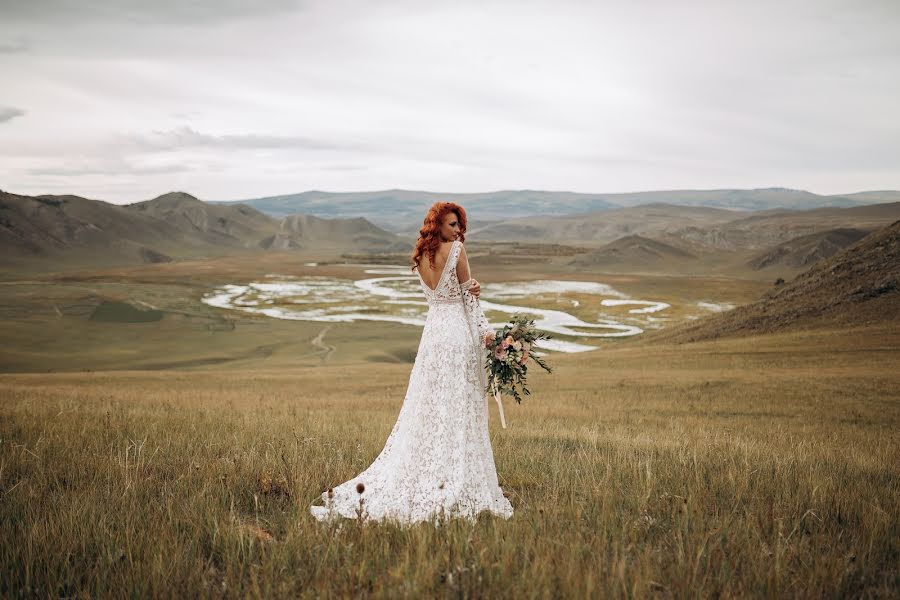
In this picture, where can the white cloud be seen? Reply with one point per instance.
(112, 167)
(66, 12)
(594, 97)
(185, 136)
(8, 113)
(13, 47)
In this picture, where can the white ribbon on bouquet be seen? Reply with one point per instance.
(497, 397)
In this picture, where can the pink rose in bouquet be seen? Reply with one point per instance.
(508, 353)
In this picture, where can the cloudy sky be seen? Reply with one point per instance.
(123, 100)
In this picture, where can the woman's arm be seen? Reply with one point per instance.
(463, 270)
(470, 300)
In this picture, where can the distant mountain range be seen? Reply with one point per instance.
(656, 237)
(403, 210)
(70, 230)
(601, 227)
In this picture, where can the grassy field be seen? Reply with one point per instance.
(763, 466)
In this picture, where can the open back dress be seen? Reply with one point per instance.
(437, 461)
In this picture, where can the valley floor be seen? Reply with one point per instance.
(153, 317)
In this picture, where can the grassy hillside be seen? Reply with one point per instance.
(806, 250)
(859, 285)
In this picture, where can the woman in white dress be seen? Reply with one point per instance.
(437, 461)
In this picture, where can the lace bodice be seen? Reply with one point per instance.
(449, 290)
(437, 461)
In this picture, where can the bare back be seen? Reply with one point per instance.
(432, 277)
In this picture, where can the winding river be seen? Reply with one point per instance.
(396, 296)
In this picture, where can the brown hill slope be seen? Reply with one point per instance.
(64, 232)
(804, 251)
(860, 284)
(768, 228)
(632, 251)
(55, 228)
(353, 234)
(228, 225)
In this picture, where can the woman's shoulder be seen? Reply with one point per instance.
(446, 248)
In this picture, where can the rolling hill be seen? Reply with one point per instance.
(806, 250)
(633, 252)
(603, 227)
(699, 240)
(64, 232)
(36, 229)
(357, 235)
(859, 285)
(766, 229)
(235, 225)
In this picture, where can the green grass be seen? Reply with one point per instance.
(122, 312)
(758, 467)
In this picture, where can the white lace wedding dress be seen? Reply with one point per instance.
(437, 461)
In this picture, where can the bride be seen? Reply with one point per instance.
(437, 461)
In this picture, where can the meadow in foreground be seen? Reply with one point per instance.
(755, 467)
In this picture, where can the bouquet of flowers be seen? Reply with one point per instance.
(507, 355)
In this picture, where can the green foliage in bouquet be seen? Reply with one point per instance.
(508, 355)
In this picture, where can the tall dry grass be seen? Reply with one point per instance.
(741, 468)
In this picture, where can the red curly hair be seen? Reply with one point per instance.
(430, 233)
